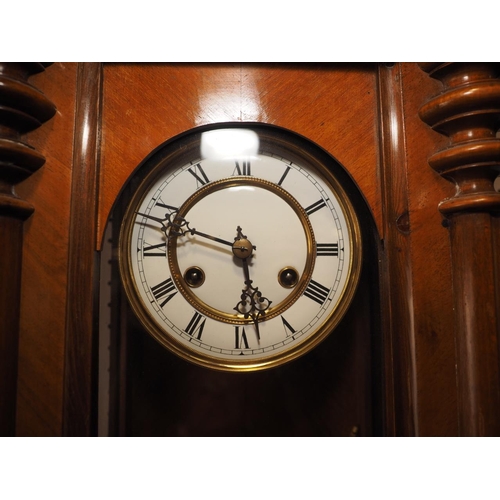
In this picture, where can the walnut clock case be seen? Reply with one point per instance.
(240, 249)
(403, 131)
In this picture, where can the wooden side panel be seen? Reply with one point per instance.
(430, 265)
(23, 108)
(45, 260)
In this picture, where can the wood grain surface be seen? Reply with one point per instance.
(23, 108)
(145, 105)
(45, 263)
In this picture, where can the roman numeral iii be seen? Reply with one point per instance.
(323, 249)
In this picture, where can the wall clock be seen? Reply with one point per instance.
(240, 248)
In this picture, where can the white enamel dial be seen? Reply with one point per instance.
(242, 260)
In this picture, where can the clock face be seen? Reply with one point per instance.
(240, 249)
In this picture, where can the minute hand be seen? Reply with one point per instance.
(210, 237)
(177, 224)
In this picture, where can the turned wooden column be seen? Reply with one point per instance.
(468, 112)
(22, 108)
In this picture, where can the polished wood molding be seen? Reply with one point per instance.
(468, 112)
(80, 354)
(400, 388)
(23, 108)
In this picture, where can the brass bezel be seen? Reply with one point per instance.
(278, 143)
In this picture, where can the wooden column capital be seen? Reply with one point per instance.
(468, 112)
(23, 108)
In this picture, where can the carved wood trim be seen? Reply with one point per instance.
(468, 112)
(401, 407)
(80, 354)
(23, 108)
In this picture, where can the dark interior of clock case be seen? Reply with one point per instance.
(334, 390)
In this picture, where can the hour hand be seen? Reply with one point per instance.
(210, 237)
(252, 304)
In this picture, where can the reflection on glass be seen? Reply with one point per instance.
(229, 143)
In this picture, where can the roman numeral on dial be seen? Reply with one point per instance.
(195, 326)
(315, 207)
(317, 292)
(165, 289)
(289, 330)
(243, 169)
(240, 339)
(199, 174)
(323, 249)
(283, 177)
(154, 250)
